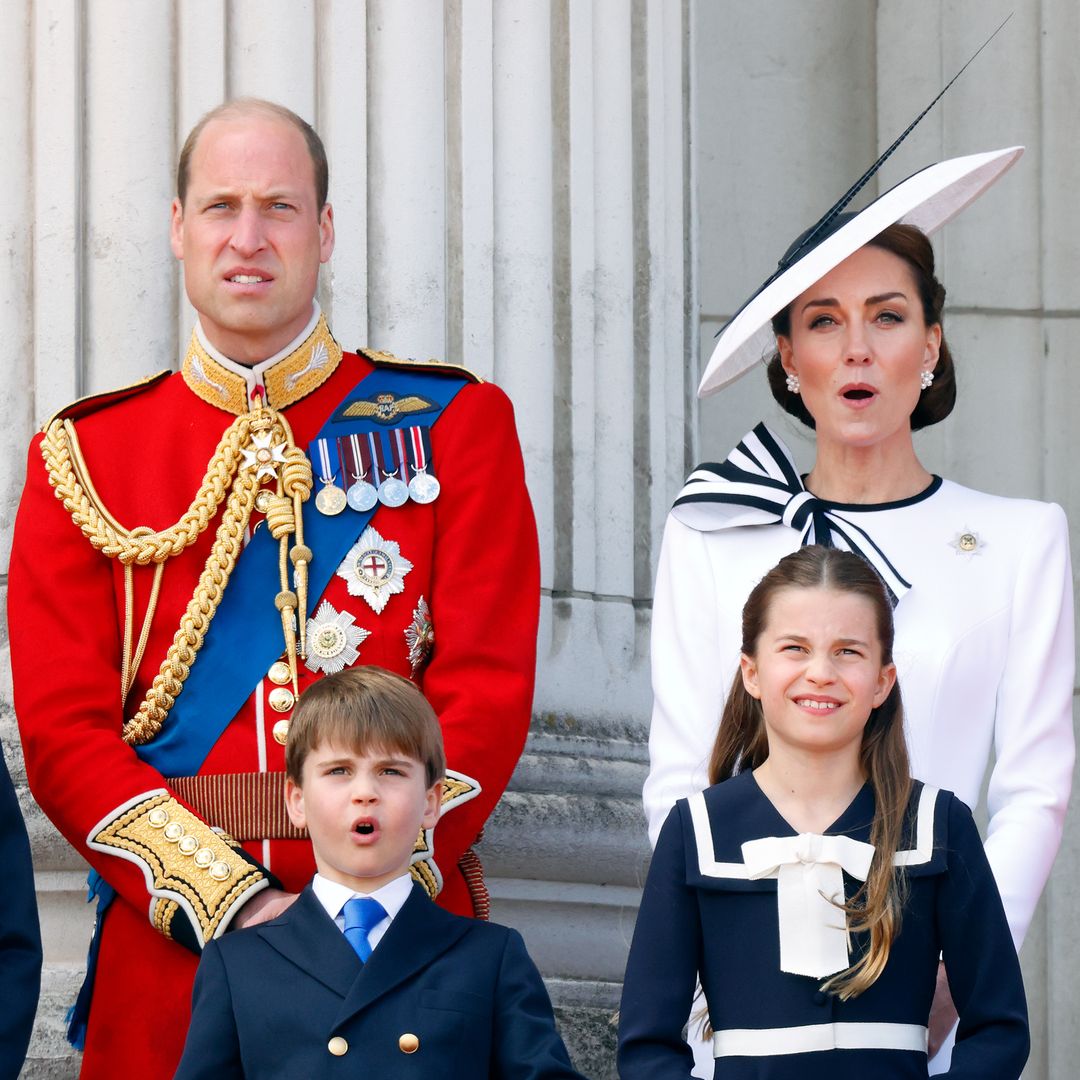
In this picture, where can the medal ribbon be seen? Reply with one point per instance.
(328, 460)
(379, 456)
(244, 638)
(397, 447)
(352, 460)
(418, 448)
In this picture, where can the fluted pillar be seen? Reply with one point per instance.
(510, 181)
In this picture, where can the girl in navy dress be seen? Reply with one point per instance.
(815, 885)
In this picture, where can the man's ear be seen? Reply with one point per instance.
(294, 803)
(176, 229)
(326, 233)
(432, 805)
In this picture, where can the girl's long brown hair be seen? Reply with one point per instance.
(741, 743)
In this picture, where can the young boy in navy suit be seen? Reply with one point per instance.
(363, 975)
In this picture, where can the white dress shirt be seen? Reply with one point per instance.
(333, 896)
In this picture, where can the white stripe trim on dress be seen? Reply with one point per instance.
(770, 1042)
(708, 865)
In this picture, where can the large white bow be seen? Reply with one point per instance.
(810, 884)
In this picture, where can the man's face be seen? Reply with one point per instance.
(363, 811)
(250, 235)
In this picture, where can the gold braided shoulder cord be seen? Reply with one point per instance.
(224, 480)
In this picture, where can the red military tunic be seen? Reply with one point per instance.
(474, 561)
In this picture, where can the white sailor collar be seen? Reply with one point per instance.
(720, 819)
(280, 380)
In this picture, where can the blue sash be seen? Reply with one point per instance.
(244, 638)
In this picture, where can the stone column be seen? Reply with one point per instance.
(511, 188)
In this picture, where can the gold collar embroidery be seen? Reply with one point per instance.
(291, 378)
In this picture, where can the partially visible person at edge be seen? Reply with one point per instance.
(158, 751)
(20, 937)
(984, 619)
(815, 885)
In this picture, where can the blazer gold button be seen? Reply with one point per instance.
(408, 1043)
(281, 731)
(338, 1046)
(281, 699)
(279, 673)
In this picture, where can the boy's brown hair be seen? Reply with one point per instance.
(365, 708)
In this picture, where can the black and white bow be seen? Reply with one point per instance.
(759, 484)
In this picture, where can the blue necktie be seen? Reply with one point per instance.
(362, 914)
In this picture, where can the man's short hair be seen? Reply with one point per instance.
(366, 709)
(249, 106)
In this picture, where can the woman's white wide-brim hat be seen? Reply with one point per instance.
(927, 200)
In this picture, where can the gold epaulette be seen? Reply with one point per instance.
(385, 359)
(83, 406)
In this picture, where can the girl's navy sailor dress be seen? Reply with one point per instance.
(713, 906)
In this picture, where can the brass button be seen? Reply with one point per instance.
(338, 1046)
(220, 870)
(158, 817)
(204, 857)
(262, 501)
(408, 1043)
(968, 542)
(281, 731)
(279, 673)
(281, 699)
(173, 831)
(188, 845)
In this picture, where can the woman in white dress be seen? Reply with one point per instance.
(984, 625)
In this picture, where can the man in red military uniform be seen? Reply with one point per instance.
(190, 552)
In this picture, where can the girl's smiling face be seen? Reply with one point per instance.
(859, 344)
(817, 670)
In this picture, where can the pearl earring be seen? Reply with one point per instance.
(793, 383)
(926, 380)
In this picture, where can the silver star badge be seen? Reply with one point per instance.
(265, 458)
(374, 569)
(333, 640)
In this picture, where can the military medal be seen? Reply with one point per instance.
(265, 457)
(333, 640)
(374, 569)
(393, 491)
(423, 487)
(356, 462)
(331, 499)
(420, 636)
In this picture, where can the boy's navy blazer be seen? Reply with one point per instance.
(278, 999)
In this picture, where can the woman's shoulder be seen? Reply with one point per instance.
(1003, 507)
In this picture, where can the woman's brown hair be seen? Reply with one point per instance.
(741, 743)
(935, 403)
